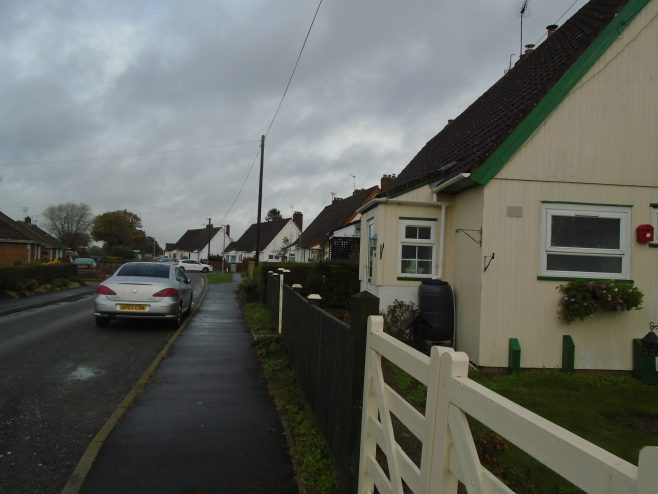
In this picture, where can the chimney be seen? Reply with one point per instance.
(298, 219)
(227, 230)
(529, 48)
(386, 182)
(550, 30)
(28, 220)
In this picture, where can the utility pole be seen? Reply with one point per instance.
(260, 197)
(209, 237)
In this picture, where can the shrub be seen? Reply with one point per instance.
(335, 282)
(399, 318)
(247, 291)
(581, 298)
(12, 277)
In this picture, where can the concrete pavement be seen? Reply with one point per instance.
(11, 305)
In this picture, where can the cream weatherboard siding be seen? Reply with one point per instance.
(597, 147)
(464, 266)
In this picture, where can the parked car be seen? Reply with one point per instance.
(190, 265)
(144, 290)
(85, 262)
(164, 259)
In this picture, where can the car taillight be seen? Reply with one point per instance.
(103, 290)
(167, 292)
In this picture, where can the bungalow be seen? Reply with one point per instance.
(16, 245)
(49, 248)
(277, 238)
(194, 244)
(334, 233)
(545, 178)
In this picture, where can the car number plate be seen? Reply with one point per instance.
(134, 307)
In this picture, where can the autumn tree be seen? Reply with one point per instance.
(273, 214)
(70, 223)
(119, 230)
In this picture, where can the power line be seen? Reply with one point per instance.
(294, 69)
(558, 20)
(127, 156)
(283, 96)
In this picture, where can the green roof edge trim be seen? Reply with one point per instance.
(557, 93)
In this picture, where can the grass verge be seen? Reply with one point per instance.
(219, 277)
(313, 465)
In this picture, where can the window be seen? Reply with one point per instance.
(585, 241)
(372, 249)
(654, 222)
(417, 239)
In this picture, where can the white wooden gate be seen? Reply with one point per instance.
(448, 453)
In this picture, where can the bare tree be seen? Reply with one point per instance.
(70, 223)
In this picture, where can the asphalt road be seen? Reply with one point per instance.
(61, 378)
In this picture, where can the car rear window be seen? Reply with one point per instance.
(153, 270)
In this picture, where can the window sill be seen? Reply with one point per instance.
(653, 245)
(575, 278)
(414, 278)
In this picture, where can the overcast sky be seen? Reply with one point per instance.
(158, 106)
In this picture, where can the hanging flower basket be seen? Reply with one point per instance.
(581, 298)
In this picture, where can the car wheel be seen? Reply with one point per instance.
(102, 322)
(175, 323)
(204, 270)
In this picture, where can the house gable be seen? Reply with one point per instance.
(557, 93)
(510, 111)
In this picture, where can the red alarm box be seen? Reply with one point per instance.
(644, 233)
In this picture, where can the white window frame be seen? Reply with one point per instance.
(623, 213)
(431, 242)
(654, 222)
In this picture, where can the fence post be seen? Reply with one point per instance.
(514, 356)
(364, 304)
(282, 272)
(568, 353)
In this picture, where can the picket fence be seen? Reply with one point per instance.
(448, 450)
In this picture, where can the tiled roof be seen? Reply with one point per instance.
(336, 215)
(39, 235)
(467, 142)
(197, 239)
(9, 230)
(268, 230)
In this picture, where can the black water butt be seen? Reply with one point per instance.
(436, 320)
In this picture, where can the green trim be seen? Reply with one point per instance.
(407, 218)
(654, 205)
(589, 204)
(557, 93)
(556, 278)
(653, 245)
(403, 278)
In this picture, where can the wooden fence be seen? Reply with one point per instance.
(328, 356)
(448, 450)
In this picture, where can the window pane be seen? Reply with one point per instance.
(425, 252)
(408, 252)
(424, 232)
(408, 267)
(592, 233)
(588, 264)
(424, 267)
(411, 232)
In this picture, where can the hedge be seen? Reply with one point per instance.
(11, 277)
(335, 282)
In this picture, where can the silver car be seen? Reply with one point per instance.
(144, 290)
